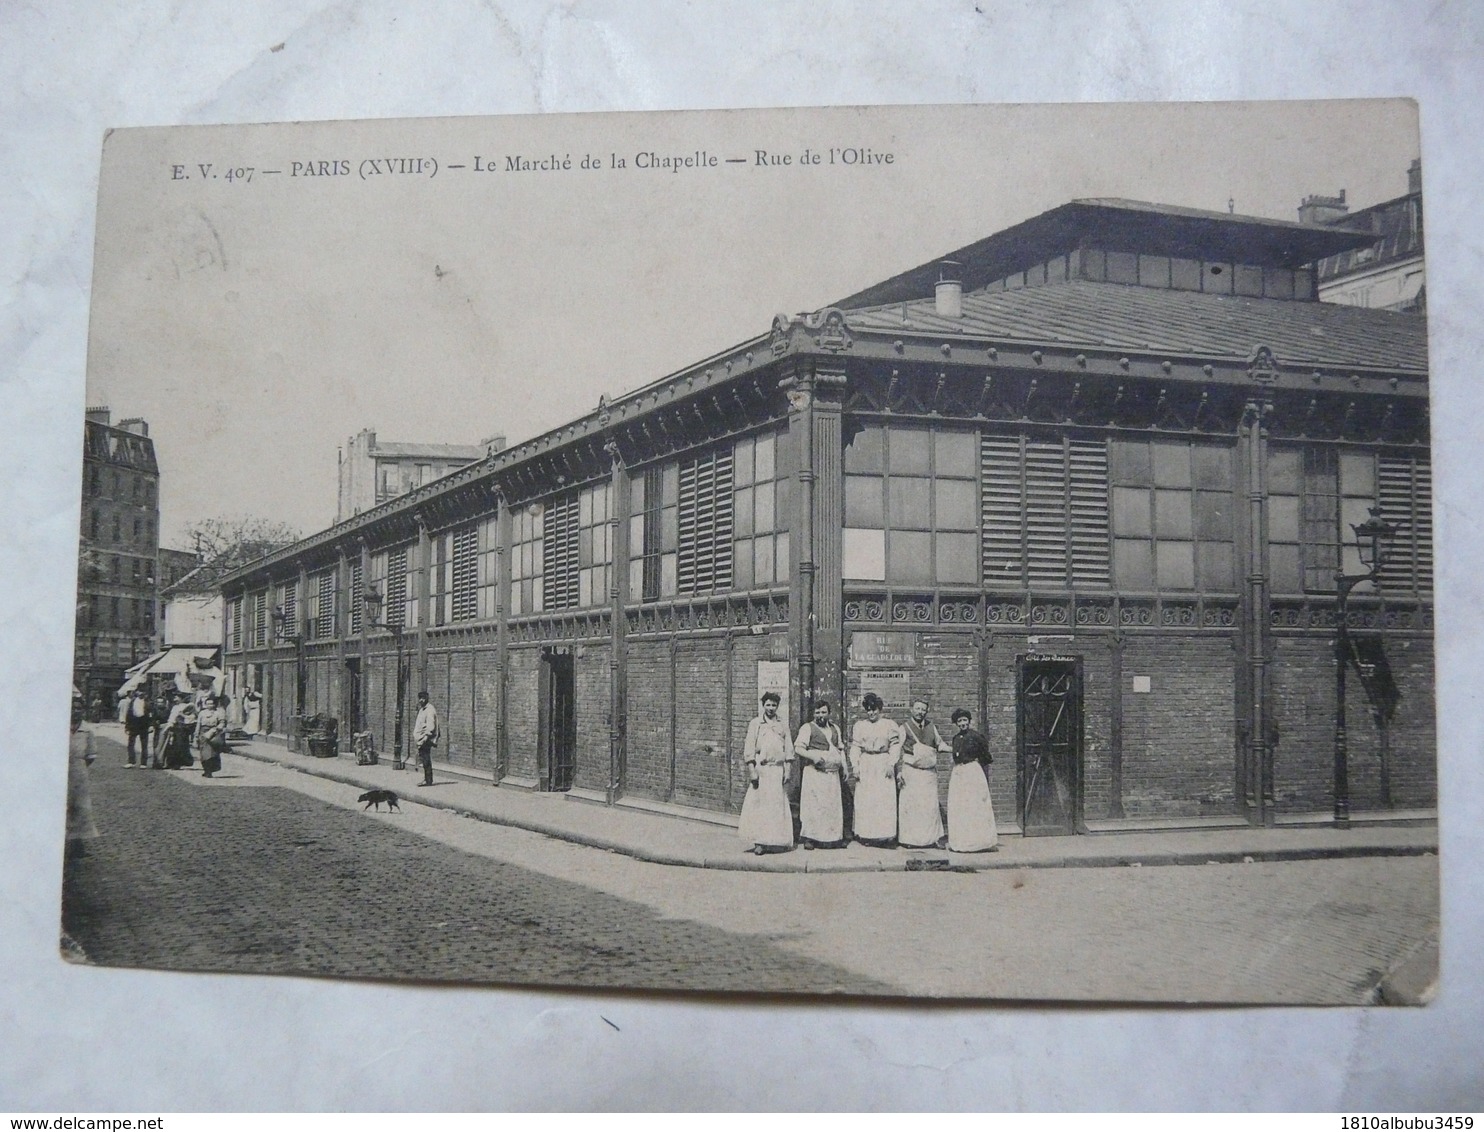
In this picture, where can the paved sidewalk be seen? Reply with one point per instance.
(670, 839)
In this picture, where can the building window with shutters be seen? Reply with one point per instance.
(1173, 510)
(527, 564)
(703, 560)
(455, 575)
(389, 576)
(1044, 507)
(1318, 494)
(234, 623)
(322, 606)
(577, 550)
(1404, 487)
(912, 507)
(1313, 494)
(288, 602)
(259, 619)
(357, 597)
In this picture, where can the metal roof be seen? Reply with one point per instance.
(1122, 225)
(1126, 317)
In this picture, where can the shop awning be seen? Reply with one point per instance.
(184, 663)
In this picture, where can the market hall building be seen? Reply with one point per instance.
(1092, 477)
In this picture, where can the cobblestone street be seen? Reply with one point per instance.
(268, 870)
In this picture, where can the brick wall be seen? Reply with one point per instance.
(701, 761)
(1179, 750)
(458, 709)
(525, 666)
(591, 688)
(648, 764)
(1304, 705)
(485, 679)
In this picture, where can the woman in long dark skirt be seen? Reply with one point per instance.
(211, 730)
(178, 729)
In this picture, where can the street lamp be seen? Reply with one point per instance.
(1370, 538)
(286, 630)
(374, 607)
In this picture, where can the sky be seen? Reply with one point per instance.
(258, 320)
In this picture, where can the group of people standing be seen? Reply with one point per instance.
(890, 770)
(167, 731)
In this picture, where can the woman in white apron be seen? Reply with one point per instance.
(971, 827)
(875, 745)
(919, 820)
(821, 805)
(767, 824)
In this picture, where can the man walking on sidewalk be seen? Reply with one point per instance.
(425, 736)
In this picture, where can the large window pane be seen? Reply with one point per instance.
(909, 558)
(763, 457)
(957, 557)
(762, 560)
(1213, 515)
(742, 462)
(864, 452)
(742, 565)
(780, 556)
(1171, 464)
(1358, 473)
(1175, 565)
(668, 580)
(957, 505)
(1284, 468)
(907, 503)
(1128, 462)
(1283, 518)
(1284, 566)
(909, 451)
(762, 508)
(1131, 512)
(1212, 466)
(863, 502)
(1216, 566)
(1133, 564)
(864, 554)
(669, 485)
(742, 513)
(1172, 514)
(957, 453)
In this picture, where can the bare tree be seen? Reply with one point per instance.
(225, 543)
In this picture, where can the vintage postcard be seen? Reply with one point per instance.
(966, 552)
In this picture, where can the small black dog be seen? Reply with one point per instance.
(377, 797)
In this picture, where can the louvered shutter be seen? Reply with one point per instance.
(1405, 500)
(559, 547)
(704, 562)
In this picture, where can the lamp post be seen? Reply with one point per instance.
(374, 605)
(1369, 539)
(281, 625)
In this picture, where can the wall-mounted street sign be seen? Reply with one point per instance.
(883, 650)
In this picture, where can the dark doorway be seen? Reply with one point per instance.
(557, 725)
(1049, 722)
(353, 695)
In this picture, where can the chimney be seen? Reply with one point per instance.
(1414, 176)
(1323, 210)
(99, 414)
(950, 290)
(137, 425)
(493, 444)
